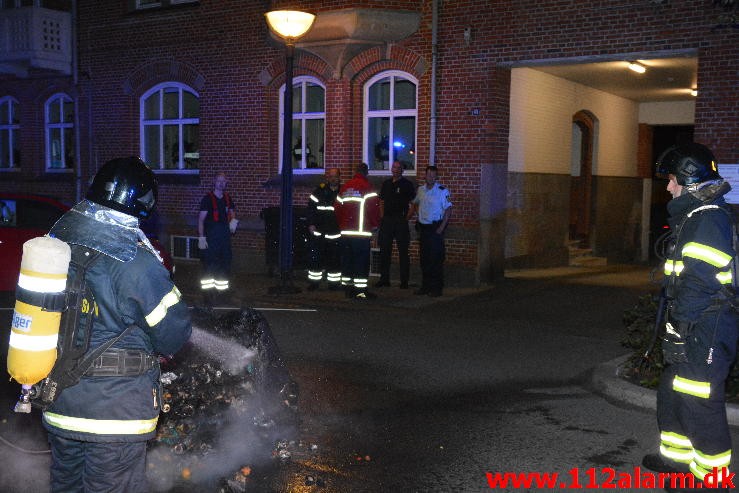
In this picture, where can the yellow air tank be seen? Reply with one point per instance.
(35, 330)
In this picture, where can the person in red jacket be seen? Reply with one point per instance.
(357, 210)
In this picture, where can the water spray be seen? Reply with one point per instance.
(233, 356)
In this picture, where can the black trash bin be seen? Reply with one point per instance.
(300, 250)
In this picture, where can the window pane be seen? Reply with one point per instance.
(4, 148)
(190, 105)
(378, 141)
(151, 146)
(379, 95)
(171, 146)
(171, 103)
(54, 114)
(191, 138)
(405, 94)
(16, 151)
(404, 141)
(5, 113)
(55, 148)
(314, 138)
(151, 107)
(297, 99)
(68, 134)
(297, 144)
(315, 99)
(68, 112)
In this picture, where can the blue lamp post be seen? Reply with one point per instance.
(289, 25)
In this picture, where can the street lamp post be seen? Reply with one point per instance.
(290, 25)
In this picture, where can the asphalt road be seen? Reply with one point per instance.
(401, 394)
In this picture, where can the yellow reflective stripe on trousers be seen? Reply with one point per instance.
(160, 311)
(676, 454)
(702, 464)
(708, 254)
(691, 387)
(102, 426)
(675, 439)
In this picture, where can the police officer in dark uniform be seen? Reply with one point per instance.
(98, 428)
(434, 210)
(396, 194)
(699, 344)
(325, 259)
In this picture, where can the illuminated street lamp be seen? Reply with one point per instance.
(290, 25)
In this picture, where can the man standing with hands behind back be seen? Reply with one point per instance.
(216, 224)
(396, 194)
(434, 210)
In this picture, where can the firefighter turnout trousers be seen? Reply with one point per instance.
(691, 402)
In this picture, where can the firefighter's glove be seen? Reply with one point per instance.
(232, 225)
(202, 243)
(673, 342)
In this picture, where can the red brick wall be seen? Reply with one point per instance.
(223, 50)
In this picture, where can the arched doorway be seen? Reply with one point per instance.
(581, 178)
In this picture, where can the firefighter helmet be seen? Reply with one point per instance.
(690, 163)
(127, 185)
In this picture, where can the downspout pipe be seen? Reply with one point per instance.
(434, 57)
(75, 83)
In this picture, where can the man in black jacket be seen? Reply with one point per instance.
(396, 195)
(98, 428)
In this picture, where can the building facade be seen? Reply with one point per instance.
(533, 160)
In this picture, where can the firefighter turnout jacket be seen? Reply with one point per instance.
(321, 212)
(691, 397)
(139, 293)
(357, 208)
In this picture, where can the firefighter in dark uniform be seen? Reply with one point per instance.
(699, 344)
(98, 428)
(434, 210)
(325, 259)
(216, 224)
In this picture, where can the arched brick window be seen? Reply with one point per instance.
(309, 123)
(170, 127)
(390, 113)
(59, 129)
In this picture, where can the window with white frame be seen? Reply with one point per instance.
(170, 127)
(309, 123)
(10, 152)
(59, 126)
(390, 113)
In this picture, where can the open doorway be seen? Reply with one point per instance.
(663, 137)
(581, 178)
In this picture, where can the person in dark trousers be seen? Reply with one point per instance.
(396, 195)
(98, 427)
(216, 223)
(434, 210)
(325, 258)
(358, 213)
(699, 343)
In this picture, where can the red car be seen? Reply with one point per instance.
(25, 216)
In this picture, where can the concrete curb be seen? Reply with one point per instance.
(607, 380)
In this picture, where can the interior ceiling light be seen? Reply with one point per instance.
(694, 92)
(637, 67)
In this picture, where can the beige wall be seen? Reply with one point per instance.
(542, 107)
